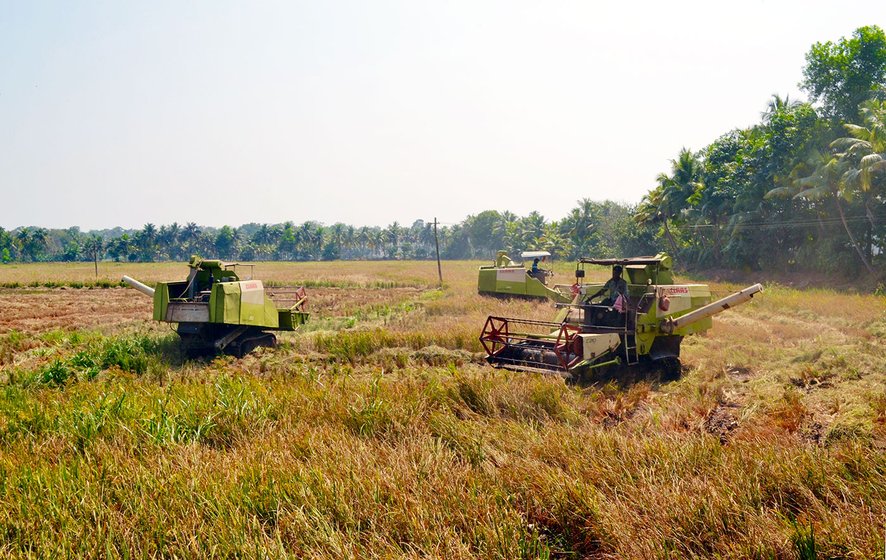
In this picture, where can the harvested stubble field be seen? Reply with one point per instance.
(378, 432)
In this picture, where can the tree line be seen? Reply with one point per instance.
(804, 189)
(591, 228)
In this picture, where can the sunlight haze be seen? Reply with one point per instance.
(121, 113)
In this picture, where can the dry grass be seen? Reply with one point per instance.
(339, 273)
(376, 432)
(36, 310)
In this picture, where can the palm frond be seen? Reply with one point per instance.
(856, 130)
(815, 193)
(781, 192)
(808, 182)
(870, 160)
(847, 144)
(851, 178)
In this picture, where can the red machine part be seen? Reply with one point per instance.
(568, 343)
(495, 335)
(529, 343)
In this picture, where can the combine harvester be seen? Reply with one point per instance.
(644, 328)
(216, 311)
(506, 278)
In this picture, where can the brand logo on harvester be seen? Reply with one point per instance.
(674, 290)
(250, 286)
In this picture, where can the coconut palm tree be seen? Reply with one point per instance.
(337, 235)
(393, 236)
(364, 238)
(262, 235)
(171, 238)
(350, 239)
(191, 236)
(378, 240)
(675, 196)
(95, 248)
(865, 148)
(654, 209)
(864, 152)
(778, 104)
(580, 227)
(23, 241)
(827, 182)
(287, 245)
(532, 229)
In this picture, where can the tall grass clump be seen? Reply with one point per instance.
(370, 416)
(13, 343)
(430, 346)
(135, 354)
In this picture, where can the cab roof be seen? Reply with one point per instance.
(641, 261)
(534, 254)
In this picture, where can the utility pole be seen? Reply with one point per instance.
(437, 245)
(95, 246)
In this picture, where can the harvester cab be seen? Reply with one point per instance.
(641, 320)
(217, 311)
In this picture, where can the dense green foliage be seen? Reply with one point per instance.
(591, 228)
(845, 74)
(805, 189)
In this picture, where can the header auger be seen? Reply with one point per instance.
(216, 311)
(643, 325)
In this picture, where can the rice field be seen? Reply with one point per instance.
(377, 431)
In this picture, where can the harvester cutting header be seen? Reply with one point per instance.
(217, 311)
(638, 320)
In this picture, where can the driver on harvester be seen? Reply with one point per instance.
(537, 272)
(614, 287)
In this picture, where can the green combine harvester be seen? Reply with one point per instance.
(216, 311)
(643, 326)
(506, 278)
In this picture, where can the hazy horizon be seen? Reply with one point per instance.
(221, 113)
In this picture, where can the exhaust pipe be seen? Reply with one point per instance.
(669, 325)
(132, 282)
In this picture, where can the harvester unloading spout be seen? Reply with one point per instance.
(133, 283)
(645, 324)
(669, 325)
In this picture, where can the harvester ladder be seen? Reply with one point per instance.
(629, 348)
(631, 357)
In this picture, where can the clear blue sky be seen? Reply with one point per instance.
(122, 113)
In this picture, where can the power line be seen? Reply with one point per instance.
(777, 225)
